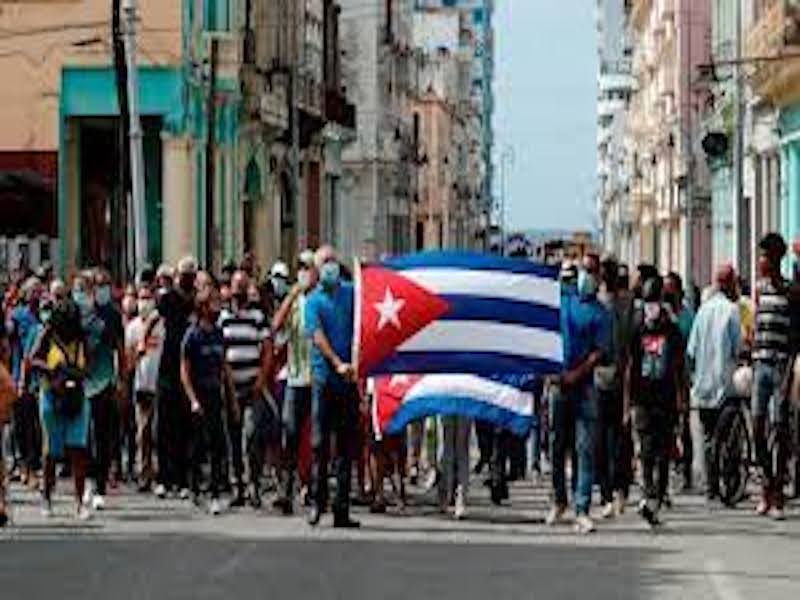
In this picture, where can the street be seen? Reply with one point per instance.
(145, 548)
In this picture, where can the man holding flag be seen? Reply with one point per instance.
(334, 396)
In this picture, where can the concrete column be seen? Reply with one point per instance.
(179, 210)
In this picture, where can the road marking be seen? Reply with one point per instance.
(724, 588)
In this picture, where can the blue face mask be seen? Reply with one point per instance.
(329, 274)
(81, 298)
(103, 295)
(587, 284)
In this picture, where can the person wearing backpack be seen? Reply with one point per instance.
(655, 393)
(59, 357)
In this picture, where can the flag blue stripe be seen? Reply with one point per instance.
(492, 365)
(512, 312)
(419, 408)
(473, 262)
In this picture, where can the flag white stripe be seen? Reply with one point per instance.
(488, 284)
(484, 336)
(476, 388)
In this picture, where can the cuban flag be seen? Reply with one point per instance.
(471, 314)
(402, 399)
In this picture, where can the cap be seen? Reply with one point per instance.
(280, 269)
(187, 266)
(165, 270)
(306, 258)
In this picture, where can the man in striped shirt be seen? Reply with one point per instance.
(770, 358)
(248, 352)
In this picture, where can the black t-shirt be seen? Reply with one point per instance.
(205, 351)
(656, 358)
(175, 308)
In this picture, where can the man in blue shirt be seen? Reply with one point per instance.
(334, 397)
(586, 335)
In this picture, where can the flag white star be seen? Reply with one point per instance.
(389, 310)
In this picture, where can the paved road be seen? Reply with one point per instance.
(143, 548)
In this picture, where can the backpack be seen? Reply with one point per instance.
(67, 384)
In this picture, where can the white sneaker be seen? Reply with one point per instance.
(88, 494)
(609, 511)
(584, 525)
(160, 491)
(215, 507)
(185, 494)
(555, 516)
(82, 513)
(98, 502)
(460, 505)
(431, 479)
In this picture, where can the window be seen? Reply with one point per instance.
(217, 15)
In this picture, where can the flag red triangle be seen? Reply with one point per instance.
(392, 309)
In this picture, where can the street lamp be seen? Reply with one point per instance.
(507, 160)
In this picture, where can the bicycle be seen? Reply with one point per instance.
(733, 450)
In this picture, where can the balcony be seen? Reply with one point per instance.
(339, 110)
(778, 80)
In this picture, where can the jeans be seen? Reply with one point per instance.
(654, 426)
(208, 440)
(296, 407)
(455, 456)
(575, 410)
(235, 433)
(334, 410)
(145, 409)
(101, 436)
(609, 445)
(770, 413)
(256, 426)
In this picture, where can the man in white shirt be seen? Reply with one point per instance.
(144, 341)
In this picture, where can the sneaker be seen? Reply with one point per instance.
(88, 494)
(98, 503)
(215, 508)
(648, 514)
(344, 522)
(239, 501)
(82, 513)
(431, 480)
(555, 516)
(460, 510)
(609, 510)
(185, 494)
(762, 508)
(777, 514)
(313, 516)
(378, 508)
(160, 491)
(47, 508)
(584, 525)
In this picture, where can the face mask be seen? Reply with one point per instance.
(304, 279)
(329, 274)
(81, 298)
(587, 284)
(279, 286)
(652, 311)
(44, 315)
(103, 295)
(145, 307)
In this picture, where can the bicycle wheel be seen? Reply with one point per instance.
(732, 455)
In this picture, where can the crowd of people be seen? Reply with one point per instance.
(202, 386)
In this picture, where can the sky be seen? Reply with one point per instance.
(545, 91)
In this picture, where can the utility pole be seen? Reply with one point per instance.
(299, 40)
(211, 154)
(738, 152)
(121, 217)
(688, 142)
(129, 8)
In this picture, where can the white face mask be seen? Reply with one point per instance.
(652, 311)
(304, 279)
(145, 307)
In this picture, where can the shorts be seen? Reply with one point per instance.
(60, 432)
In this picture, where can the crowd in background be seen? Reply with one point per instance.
(231, 385)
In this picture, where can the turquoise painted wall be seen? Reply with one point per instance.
(790, 173)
